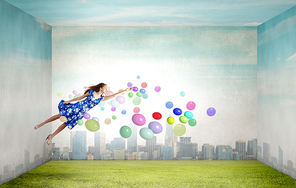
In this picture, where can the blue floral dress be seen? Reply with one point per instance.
(75, 112)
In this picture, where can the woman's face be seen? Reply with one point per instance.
(104, 89)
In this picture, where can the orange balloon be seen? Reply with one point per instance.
(121, 91)
(107, 121)
(63, 119)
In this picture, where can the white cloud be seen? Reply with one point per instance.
(292, 57)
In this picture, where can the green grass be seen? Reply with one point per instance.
(153, 174)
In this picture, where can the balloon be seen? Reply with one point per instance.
(120, 99)
(63, 119)
(139, 94)
(92, 125)
(183, 119)
(121, 91)
(142, 90)
(114, 103)
(144, 85)
(192, 122)
(74, 92)
(130, 94)
(188, 114)
(70, 96)
(95, 118)
(101, 104)
(177, 111)
(169, 105)
(102, 108)
(157, 89)
(129, 84)
(113, 109)
(136, 101)
(109, 93)
(114, 117)
(123, 112)
(86, 116)
(155, 127)
(211, 111)
(156, 115)
(75, 96)
(59, 94)
(107, 121)
(138, 77)
(138, 119)
(179, 130)
(170, 120)
(182, 93)
(145, 96)
(80, 122)
(125, 131)
(135, 89)
(136, 110)
(146, 133)
(190, 105)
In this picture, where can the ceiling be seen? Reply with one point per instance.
(153, 12)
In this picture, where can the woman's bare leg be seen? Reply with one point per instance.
(53, 118)
(59, 129)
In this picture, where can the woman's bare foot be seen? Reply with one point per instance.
(38, 126)
(48, 139)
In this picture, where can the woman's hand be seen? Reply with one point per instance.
(66, 102)
(128, 89)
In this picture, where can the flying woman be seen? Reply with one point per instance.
(74, 112)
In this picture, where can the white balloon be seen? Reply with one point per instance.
(120, 99)
(114, 103)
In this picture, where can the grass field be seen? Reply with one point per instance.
(153, 174)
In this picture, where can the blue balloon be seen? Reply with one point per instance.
(102, 108)
(138, 77)
(169, 105)
(182, 93)
(145, 96)
(123, 112)
(177, 111)
(142, 90)
(188, 114)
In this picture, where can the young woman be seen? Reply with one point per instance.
(74, 112)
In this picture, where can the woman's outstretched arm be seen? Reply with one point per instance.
(114, 95)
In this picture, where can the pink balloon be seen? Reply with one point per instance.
(120, 99)
(136, 110)
(109, 93)
(139, 119)
(157, 89)
(113, 109)
(190, 105)
(74, 92)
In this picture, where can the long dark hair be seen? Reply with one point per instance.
(96, 88)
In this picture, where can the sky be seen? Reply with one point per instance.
(154, 13)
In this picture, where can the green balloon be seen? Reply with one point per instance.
(130, 94)
(114, 117)
(80, 122)
(139, 94)
(92, 125)
(192, 122)
(75, 96)
(125, 131)
(146, 133)
(136, 101)
(70, 96)
(183, 119)
(59, 94)
(179, 130)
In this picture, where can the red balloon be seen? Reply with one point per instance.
(156, 115)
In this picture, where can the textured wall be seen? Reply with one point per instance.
(277, 92)
(25, 65)
(214, 66)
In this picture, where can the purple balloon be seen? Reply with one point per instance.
(139, 119)
(113, 109)
(211, 111)
(135, 89)
(155, 127)
(157, 89)
(129, 84)
(86, 116)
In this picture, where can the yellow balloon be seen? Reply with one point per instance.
(179, 130)
(107, 121)
(171, 120)
(63, 119)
